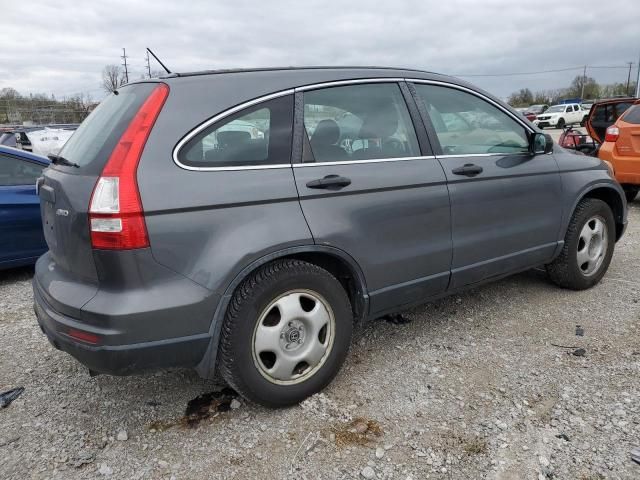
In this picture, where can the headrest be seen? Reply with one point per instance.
(327, 132)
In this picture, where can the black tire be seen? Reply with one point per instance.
(564, 271)
(236, 358)
(631, 192)
(561, 123)
(540, 127)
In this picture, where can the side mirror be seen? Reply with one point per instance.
(541, 143)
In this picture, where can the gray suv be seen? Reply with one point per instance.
(242, 221)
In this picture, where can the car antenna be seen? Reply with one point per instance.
(158, 60)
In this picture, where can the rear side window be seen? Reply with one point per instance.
(359, 122)
(95, 139)
(632, 115)
(14, 171)
(257, 135)
(621, 108)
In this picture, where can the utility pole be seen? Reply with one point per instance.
(584, 80)
(148, 66)
(638, 80)
(126, 69)
(628, 78)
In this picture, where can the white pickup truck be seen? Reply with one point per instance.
(557, 116)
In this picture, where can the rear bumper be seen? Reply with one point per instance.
(142, 326)
(116, 359)
(626, 168)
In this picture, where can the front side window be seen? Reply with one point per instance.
(479, 127)
(257, 135)
(14, 171)
(359, 122)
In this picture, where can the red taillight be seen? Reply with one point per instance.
(116, 218)
(612, 134)
(83, 336)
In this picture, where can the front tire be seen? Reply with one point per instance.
(286, 333)
(561, 123)
(588, 247)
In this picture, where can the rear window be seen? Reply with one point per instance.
(94, 140)
(632, 115)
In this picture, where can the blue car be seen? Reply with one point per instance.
(21, 237)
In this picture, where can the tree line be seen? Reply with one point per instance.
(581, 87)
(43, 109)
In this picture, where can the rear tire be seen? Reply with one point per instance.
(286, 333)
(586, 254)
(560, 123)
(631, 192)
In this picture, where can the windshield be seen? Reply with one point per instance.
(556, 108)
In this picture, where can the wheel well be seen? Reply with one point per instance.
(346, 275)
(611, 198)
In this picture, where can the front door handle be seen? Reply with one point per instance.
(468, 170)
(330, 182)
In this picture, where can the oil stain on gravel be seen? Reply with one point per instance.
(198, 409)
(208, 404)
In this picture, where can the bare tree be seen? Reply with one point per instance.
(112, 78)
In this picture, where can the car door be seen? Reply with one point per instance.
(505, 202)
(370, 186)
(21, 234)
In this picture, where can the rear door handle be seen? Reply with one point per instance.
(330, 182)
(468, 170)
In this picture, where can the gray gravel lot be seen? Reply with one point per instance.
(471, 388)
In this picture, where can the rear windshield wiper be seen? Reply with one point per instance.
(58, 160)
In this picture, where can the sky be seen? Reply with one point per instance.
(61, 47)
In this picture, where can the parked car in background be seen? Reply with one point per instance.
(534, 110)
(179, 239)
(621, 147)
(557, 116)
(604, 113)
(21, 237)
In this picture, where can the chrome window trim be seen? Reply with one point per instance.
(472, 92)
(355, 162)
(220, 116)
(338, 83)
(462, 155)
(335, 83)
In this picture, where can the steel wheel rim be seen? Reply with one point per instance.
(593, 243)
(293, 337)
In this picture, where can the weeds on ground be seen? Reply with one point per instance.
(360, 431)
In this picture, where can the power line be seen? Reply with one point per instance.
(565, 69)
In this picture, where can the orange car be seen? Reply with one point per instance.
(621, 148)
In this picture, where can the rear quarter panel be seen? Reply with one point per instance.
(209, 225)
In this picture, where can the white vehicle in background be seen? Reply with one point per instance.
(557, 116)
(46, 141)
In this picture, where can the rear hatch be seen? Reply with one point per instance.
(628, 143)
(605, 114)
(65, 193)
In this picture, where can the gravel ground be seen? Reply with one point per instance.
(473, 387)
